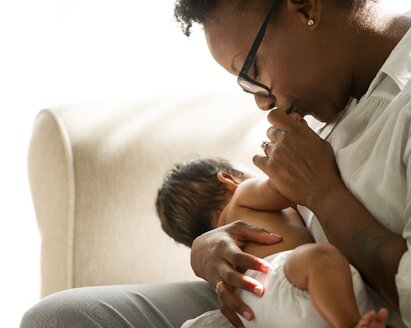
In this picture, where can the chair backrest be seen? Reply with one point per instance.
(94, 171)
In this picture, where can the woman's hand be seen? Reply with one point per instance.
(298, 162)
(302, 167)
(217, 255)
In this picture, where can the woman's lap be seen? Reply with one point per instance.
(152, 305)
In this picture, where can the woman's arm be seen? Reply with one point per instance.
(374, 250)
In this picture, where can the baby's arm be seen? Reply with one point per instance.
(259, 194)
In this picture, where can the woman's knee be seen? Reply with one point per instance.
(70, 308)
(122, 306)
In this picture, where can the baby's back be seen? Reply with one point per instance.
(287, 223)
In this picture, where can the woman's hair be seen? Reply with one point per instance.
(190, 196)
(188, 12)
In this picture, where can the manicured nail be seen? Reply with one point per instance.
(247, 315)
(258, 290)
(276, 236)
(265, 267)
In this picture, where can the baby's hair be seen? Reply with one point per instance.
(191, 195)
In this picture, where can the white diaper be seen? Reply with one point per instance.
(283, 304)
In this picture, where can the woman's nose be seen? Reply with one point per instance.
(265, 102)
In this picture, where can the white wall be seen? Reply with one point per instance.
(62, 51)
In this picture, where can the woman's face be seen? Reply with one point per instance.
(296, 61)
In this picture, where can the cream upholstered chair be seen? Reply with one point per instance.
(94, 171)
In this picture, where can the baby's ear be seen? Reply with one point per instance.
(227, 180)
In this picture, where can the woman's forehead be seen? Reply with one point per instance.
(229, 35)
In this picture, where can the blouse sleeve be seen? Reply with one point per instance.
(403, 277)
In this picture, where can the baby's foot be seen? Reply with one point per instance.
(373, 319)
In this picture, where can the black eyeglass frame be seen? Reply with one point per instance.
(251, 56)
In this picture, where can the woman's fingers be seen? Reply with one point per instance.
(240, 259)
(275, 134)
(284, 121)
(217, 256)
(236, 279)
(224, 244)
(261, 162)
(298, 162)
(231, 304)
(244, 232)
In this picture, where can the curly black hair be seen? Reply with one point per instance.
(191, 195)
(188, 12)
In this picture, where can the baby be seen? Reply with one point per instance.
(308, 284)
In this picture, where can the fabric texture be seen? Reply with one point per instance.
(372, 145)
(283, 304)
(126, 306)
(209, 319)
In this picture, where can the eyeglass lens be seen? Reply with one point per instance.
(251, 87)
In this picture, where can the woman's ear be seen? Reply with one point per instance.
(308, 11)
(228, 180)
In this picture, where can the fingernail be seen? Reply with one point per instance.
(247, 315)
(265, 267)
(276, 236)
(258, 290)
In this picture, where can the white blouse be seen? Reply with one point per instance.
(372, 146)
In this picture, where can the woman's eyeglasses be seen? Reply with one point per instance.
(244, 81)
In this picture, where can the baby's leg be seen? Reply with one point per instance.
(325, 273)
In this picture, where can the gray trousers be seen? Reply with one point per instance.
(145, 306)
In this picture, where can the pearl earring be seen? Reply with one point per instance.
(310, 22)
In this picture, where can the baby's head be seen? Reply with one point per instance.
(192, 197)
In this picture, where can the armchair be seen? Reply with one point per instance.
(94, 170)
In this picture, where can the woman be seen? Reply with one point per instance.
(315, 57)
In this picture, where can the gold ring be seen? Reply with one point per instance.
(264, 145)
(218, 285)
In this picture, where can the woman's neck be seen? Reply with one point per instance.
(376, 36)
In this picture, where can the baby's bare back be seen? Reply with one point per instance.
(287, 223)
